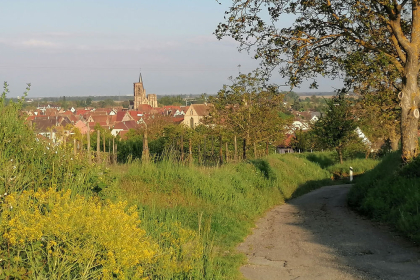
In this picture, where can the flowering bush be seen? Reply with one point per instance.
(51, 235)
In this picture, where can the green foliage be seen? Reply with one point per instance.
(390, 193)
(336, 128)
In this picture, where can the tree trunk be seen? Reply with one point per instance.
(409, 108)
(340, 155)
(255, 150)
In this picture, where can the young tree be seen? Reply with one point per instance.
(250, 109)
(324, 33)
(336, 128)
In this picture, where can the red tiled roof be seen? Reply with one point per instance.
(120, 115)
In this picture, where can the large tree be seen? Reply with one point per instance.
(324, 32)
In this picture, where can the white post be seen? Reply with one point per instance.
(351, 174)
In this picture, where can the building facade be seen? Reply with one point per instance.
(140, 96)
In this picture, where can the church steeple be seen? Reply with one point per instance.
(140, 79)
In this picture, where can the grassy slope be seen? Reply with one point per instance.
(391, 193)
(220, 203)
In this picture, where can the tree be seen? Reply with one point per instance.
(377, 83)
(336, 128)
(324, 33)
(250, 109)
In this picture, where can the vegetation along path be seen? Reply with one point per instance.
(317, 237)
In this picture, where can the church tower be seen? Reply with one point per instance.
(139, 93)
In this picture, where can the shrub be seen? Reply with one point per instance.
(390, 193)
(48, 235)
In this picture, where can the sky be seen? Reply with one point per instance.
(99, 47)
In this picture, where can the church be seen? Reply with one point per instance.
(140, 97)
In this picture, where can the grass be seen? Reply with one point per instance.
(390, 193)
(221, 204)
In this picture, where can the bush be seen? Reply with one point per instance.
(48, 235)
(390, 193)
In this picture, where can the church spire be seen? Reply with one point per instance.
(140, 79)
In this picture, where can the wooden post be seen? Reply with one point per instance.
(220, 149)
(205, 149)
(212, 146)
(103, 141)
(113, 150)
(190, 151)
(199, 154)
(74, 146)
(88, 145)
(236, 149)
(182, 146)
(109, 151)
(145, 152)
(116, 152)
(227, 153)
(98, 145)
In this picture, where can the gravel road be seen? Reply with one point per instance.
(317, 237)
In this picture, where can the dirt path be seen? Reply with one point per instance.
(317, 237)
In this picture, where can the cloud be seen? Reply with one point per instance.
(39, 44)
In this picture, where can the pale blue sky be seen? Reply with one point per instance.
(97, 47)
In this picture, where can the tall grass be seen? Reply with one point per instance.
(220, 204)
(391, 193)
(30, 162)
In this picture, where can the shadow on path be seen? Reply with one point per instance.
(316, 236)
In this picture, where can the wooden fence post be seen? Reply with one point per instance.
(98, 146)
(88, 145)
(145, 152)
(227, 153)
(236, 149)
(220, 149)
(113, 150)
(190, 151)
(182, 146)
